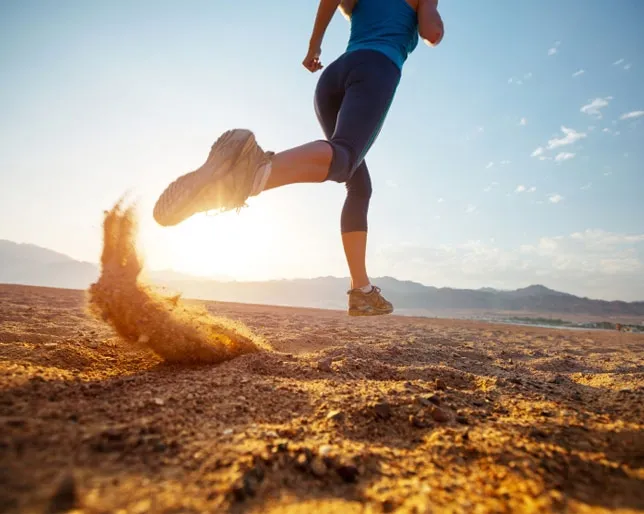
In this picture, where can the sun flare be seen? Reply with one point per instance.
(223, 245)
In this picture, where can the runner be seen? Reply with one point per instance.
(352, 98)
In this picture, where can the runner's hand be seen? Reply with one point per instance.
(312, 60)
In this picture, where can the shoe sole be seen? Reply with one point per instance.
(177, 202)
(358, 313)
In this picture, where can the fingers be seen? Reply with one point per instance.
(312, 64)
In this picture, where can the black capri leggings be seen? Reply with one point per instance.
(352, 99)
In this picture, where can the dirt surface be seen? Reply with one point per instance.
(392, 414)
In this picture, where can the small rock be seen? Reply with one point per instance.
(324, 450)
(439, 415)
(158, 401)
(440, 384)
(462, 420)
(65, 497)
(228, 431)
(348, 472)
(144, 338)
(434, 399)
(272, 434)
(382, 410)
(417, 421)
(318, 467)
(301, 461)
(478, 403)
(325, 364)
(335, 415)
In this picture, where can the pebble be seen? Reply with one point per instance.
(228, 431)
(429, 400)
(348, 472)
(382, 410)
(324, 450)
(439, 415)
(318, 467)
(335, 415)
(144, 338)
(417, 421)
(158, 401)
(325, 364)
(440, 384)
(462, 420)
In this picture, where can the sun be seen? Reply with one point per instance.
(223, 245)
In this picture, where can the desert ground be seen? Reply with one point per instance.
(391, 414)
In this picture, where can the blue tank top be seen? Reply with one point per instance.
(388, 26)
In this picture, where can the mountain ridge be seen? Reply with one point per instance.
(27, 264)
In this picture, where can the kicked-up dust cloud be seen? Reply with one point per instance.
(177, 332)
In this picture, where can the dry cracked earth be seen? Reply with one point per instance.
(393, 414)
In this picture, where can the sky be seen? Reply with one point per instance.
(512, 154)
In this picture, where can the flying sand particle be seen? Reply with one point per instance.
(176, 332)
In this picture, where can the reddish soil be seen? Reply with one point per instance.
(392, 414)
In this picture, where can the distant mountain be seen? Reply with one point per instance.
(32, 265)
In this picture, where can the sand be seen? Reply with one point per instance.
(391, 414)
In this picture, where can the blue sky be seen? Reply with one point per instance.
(512, 154)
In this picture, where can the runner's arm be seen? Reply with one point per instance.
(325, 13)
(430, 24)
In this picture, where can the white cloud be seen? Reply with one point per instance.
(505, 162)
(564, 156)
(552, 51)
(570, 136)
(521, 80)
(578, 73)
(520, 189)
(618, 62)
(539, 151)
(440, 200)
(489, 188)
(489, 165)
(595, 106)
(627, 66)
(555, 198)
(523, 122)
(523, 189)
(631, 115)
(592, 263)
(587, 186)
(470, 209)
